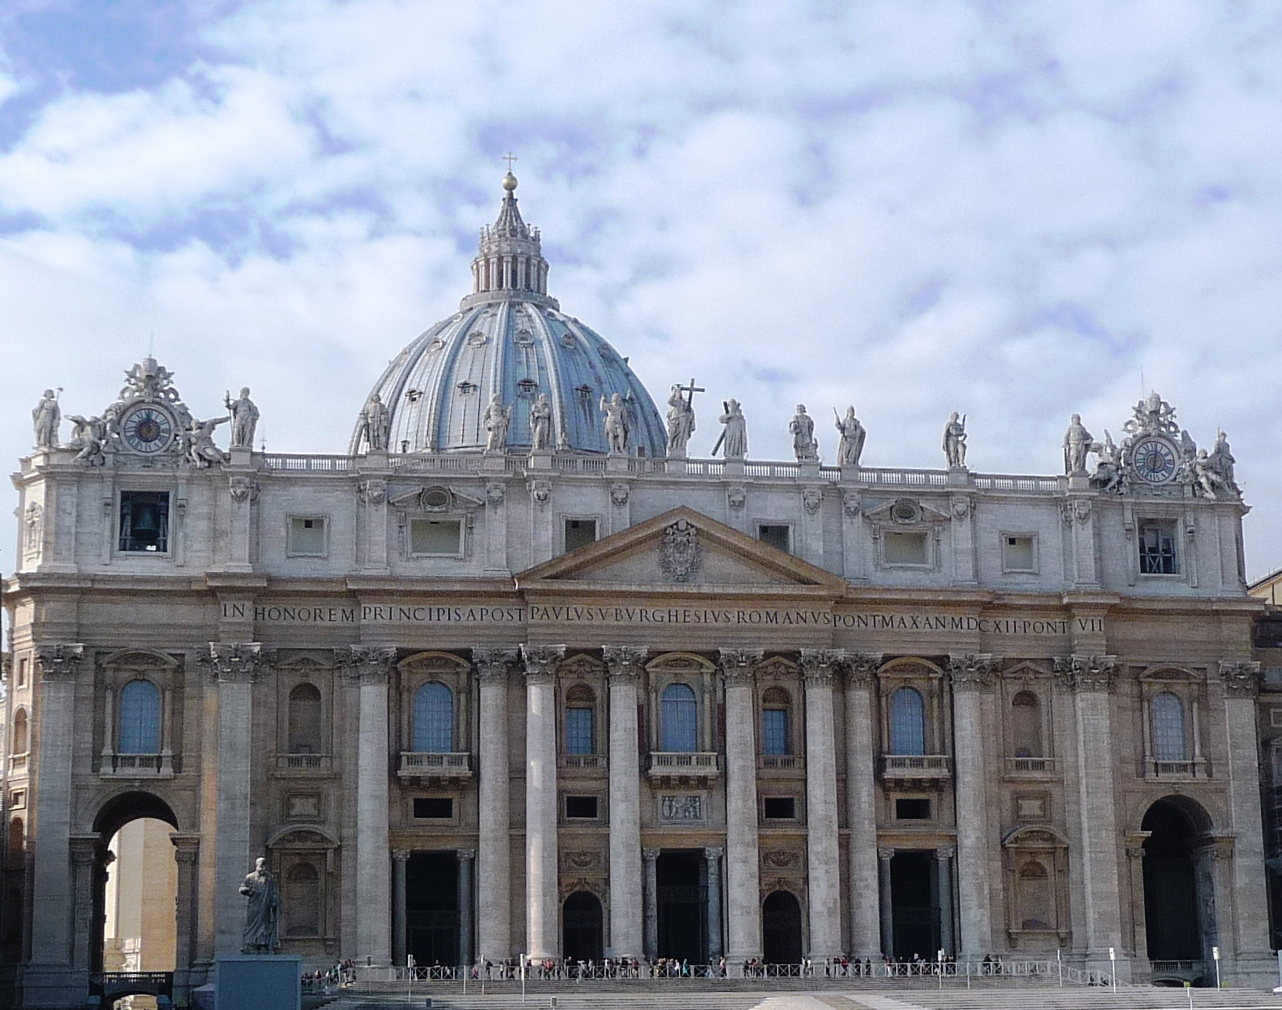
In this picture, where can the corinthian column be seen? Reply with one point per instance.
(861, 808)
(743, 884)
(824, 881)
(1091, 679)
(542, 939)
(494, 842)
(235, 668)
(624, 665)
(371, 667)
(971, 676)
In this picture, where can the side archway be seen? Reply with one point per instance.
(1179, 887)
(583, 927)
(781, 928)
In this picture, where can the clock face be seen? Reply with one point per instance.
(1154, 460)
(147, 429)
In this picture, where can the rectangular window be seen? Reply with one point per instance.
(579, 533)
(440, 537)
(434, 807)
(905, 548)
(578, 731)
(912, 809)
(1157, 549)
(22, 672)
(581, 808)
(779, 808)
(1019, 552)
(306, 537)
(777, 535)
(774, 731)
(144, 521)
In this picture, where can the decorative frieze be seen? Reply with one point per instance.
(681, 807)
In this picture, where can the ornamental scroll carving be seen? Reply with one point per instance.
(366, 664)
(1241, 677)
(581, 860)
(1080, 672)
(780, 859)
(243, 489)
(373, 491)
(680, 553)
(59, 661)
(233, 662)
(540, 662)
(972, 671)
(623, 661)
(737, 664)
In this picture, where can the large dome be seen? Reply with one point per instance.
(509, 338)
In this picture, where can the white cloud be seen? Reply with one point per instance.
(915, 207)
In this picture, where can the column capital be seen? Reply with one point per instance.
(59, 661)
(624, 661)
(366, 664)
(861, 667)
(186, 846)
(819, 666)
(885, 855)
(972, 671)
(465, 855)
(401, 855)
(713, 852)
(1080, 672)
(540, 662)
(493, 662)
(1135, 843)
(650, 855)
(234, 662)
(1241, 677)
(945, 853)
(737, 665)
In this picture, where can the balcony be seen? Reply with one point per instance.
(584, 762)
(136, 766)
(304, 764)
(781, 762)
(916, 767)
(1030, 766)
(1185, 770)
(445, 767)
(676, 766)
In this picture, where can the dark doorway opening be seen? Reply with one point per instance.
(1170, 885)
(431, 908)
(584, 938)
(683, 906)
(914, 913)
(781, 929)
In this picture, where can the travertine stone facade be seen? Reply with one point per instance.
(470, 703)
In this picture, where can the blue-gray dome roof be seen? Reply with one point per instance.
(510, 338)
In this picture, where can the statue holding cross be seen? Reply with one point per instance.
(681, 417)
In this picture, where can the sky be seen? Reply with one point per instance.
(1012, 210)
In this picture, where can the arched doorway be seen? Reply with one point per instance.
(134, 926)
(1179, 899)
(583, 933)
(781, 929)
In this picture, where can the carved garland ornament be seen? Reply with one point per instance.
(680, 553)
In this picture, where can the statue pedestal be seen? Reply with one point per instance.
(850, 473)
(259, 982)
(958, 476)
(616, 462)
(540, 459)
(242, 456)
(734, 468)
(493, 462)
(809, 469)
(676, 463)
(1079, 482)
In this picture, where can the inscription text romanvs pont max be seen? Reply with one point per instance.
(731, 617)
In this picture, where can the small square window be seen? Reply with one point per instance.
(779, 808)
(307, 536)
(144, 521)
(1019, 552)
(579, 533)
(777, 535)
(912, 809)
(439, 537)
(581, 808)
(438, 808)
(905, 547)
(1158, 555)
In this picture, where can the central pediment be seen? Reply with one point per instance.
(681, 550)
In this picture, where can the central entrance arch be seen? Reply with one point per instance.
(781, 929)
(1179, 895)
(584, 938)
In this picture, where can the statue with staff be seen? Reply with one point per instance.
(955, 441)
(681, 417)
(853, 434)
(46, 417)
(734, 434)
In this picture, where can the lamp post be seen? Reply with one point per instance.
(1215, 953)
(1112, 961)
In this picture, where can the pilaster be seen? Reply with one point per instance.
(542, 894)
(861, 807)
(971, 676)
(624, 665)
(819, 667)
(743, 878)
(494, 843)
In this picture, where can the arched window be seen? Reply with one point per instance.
(302, 901)
(1026, 725)
(1168, 728)
(579, 737)
(774, 722)
(679, 719)
(305, 720)
(434, 719)
(907, 722)
(139, 719)
(20, 743)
